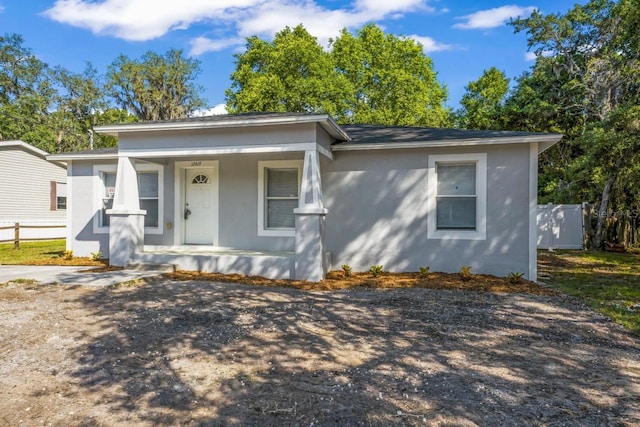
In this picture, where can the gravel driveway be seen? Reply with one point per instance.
(195, 353)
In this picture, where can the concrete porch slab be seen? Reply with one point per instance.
(274, 265)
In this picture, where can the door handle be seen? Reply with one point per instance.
(187, 212)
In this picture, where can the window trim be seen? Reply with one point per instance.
(274, 164)
(99, 191)
(480, 233)
(54, 198)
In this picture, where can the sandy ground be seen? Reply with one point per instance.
(201, 353)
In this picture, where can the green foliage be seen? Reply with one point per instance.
(370, 77)
(68, 255)
(465, 272)
(346, 270)
(608, 282)
(483, 101)
(375, 270)
(515, 278)
(96, 256)
(292, 73)
(585, 85)
(155, 87)
(424, 272)
(391, 79)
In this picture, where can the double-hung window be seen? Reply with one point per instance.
(149, 197)
(457, 193)
(278, 195)
(58, 196)
(149, 192)
(456, 196)
(108, 191)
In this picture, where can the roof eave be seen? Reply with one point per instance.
(62, 157)
(323, 119)
(545, 141)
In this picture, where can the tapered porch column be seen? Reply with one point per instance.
(126, 219)
(310, 257)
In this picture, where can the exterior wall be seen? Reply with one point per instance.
(237, 204)
(82, 214)
(377, 203)
(212, 138)
(323, 138)
(25, 188)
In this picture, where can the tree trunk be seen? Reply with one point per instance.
(602, 214)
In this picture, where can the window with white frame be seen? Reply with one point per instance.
(457, 196)
(149, 197)
(108, 191)
(278, 195)
(58, 196)
(149, 190)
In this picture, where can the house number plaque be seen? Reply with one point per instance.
(198, 163)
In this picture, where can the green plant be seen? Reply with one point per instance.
(515, 278)
(465, 272)
(68, 255)
(424, 272)
(346, 270)
(96, 256)
(375, 270)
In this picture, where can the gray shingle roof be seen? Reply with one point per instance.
(375, 134)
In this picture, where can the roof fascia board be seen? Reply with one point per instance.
(62, 157)
(329, 124)
(546, 140)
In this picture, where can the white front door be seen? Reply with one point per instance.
(199, 207)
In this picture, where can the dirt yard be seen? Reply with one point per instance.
(202, 353)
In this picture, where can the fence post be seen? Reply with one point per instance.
(16, 238)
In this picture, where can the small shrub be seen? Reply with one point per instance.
(375, 270)
(465, 272)
(96, 256)
(515, 278)
(68, 255)
(346, 270)
(424, 272)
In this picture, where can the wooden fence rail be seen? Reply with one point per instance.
(16, 239)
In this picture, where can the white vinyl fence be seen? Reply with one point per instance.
(560, 226)
(33, 230)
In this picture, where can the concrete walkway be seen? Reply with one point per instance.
(70, 275)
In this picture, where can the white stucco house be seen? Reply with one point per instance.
(32, 190)
(294, 195)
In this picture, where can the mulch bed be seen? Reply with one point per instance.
(336, 281)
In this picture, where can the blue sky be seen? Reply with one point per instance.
(462, 37)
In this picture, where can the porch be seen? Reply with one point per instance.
(270, 264)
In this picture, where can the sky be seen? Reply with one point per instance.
(463, 38)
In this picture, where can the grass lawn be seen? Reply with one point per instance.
(608, 282)
(49, 252)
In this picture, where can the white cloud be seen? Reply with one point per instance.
(532, 56)
(216, 110)
(200, 45)
(231, 20)
(140, 20)
(492, 18)
(430, 45)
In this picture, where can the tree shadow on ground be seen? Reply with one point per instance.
(223, 354)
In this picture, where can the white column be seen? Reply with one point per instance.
(126, 222)
(311, 260)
